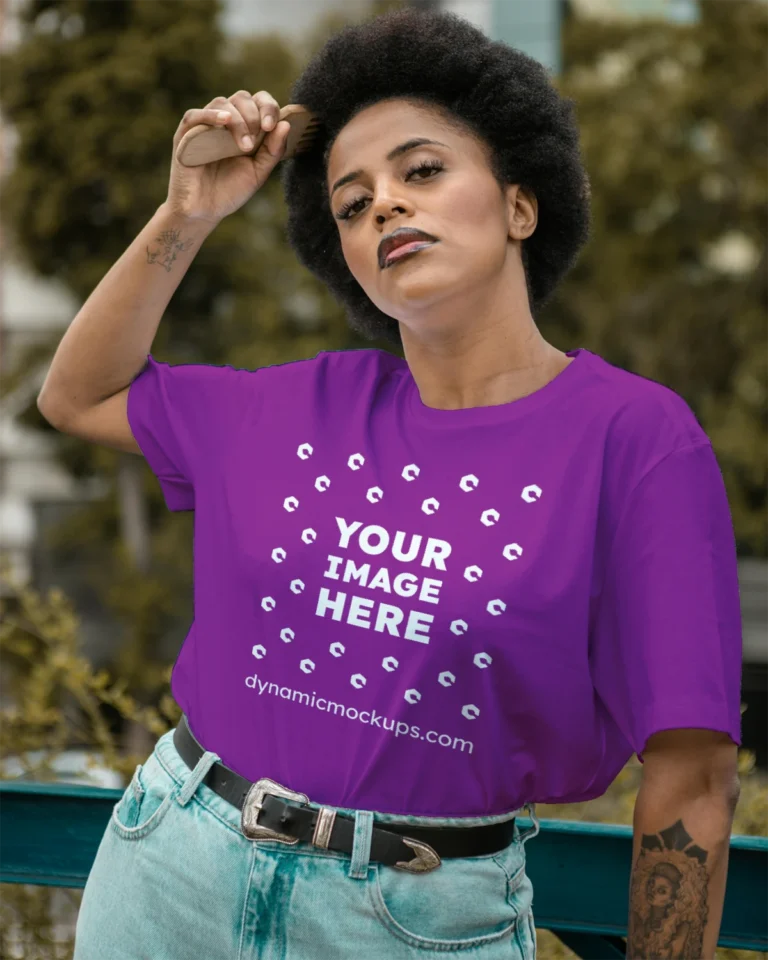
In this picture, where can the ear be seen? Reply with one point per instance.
(522, 211)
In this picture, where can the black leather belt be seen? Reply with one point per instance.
(269, 812)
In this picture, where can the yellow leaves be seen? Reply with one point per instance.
(40, 638)
(746, 762)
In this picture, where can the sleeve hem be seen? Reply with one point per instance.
(698, 713)
(177, 493)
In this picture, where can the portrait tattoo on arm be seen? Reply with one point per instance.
(668, 897)
(170, 247)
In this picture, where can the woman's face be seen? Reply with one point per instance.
(455, 198)
(659, 891)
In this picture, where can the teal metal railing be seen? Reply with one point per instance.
(49, 834)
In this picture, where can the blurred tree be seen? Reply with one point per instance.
(674, 283)
(96, 91)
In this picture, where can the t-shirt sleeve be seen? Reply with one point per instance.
(182, 416)
(666, 639)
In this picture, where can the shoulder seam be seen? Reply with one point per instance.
(686, 446)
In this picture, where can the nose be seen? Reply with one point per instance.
(386, 205)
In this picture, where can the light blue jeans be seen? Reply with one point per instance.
(175, 879)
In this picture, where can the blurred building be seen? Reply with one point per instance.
(31, 310)
(531, 27)
(681, 11)
(534, 25)
(294, 19)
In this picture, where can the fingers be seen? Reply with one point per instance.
(249, 116)
(246, 121)
(269, 109)
(259, 112)
(276, 142)
(216, 115)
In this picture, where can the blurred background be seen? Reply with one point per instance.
(95, 584)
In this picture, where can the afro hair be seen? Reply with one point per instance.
(484, 88)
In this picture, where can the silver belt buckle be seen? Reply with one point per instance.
(426, 858)
(252, 808)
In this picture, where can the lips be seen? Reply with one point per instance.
(400, 237)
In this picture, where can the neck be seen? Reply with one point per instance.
(482, 371)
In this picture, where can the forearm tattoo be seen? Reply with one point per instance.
(668, 897)
(170, 247)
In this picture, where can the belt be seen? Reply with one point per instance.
(269, 812)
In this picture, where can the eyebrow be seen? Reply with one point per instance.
(398, 151)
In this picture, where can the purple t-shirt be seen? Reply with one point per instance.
(443, 612)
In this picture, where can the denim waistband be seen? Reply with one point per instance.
(178, 768)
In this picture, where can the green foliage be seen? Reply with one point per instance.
(96, 92)
(674, 123)
(59, 701)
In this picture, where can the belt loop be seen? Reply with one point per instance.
(361, 847)
(530, 832)
(195, 777)
(326, 819)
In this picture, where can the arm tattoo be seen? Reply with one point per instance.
(170, 247)
(668, 897)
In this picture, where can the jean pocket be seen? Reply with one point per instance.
(466, 902)
(145, 802)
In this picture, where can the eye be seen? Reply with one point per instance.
(347, 211)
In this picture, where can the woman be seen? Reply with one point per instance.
(429, 592)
